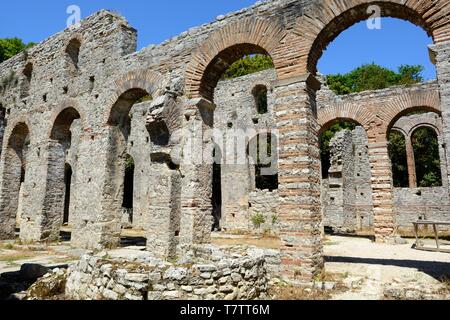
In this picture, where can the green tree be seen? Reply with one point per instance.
(374, 77)
(11, 46)
(247, 65)
(397, 153)
(410, 74)
(426, 155)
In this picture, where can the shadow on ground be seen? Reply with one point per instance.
(437, 270)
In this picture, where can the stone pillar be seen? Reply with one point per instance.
(443, 161)
(33, 217)
(197, 170)
(97, 210)
(382, 184)
(411, 163)
(440, 55)
(164, 217)
(300, 214)
(235, 191)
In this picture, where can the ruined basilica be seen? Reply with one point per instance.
(90, 133)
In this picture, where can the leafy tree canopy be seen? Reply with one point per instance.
(11, 46)
(374, 77)
(247, 65)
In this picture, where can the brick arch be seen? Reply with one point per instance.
(225, 46)
(358, 113)
(407, 102)
(324, 20)
(149, 81)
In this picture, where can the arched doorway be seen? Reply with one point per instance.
(62, 157)
(14, 178)
(121, 162)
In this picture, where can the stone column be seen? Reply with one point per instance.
(53, 210)
(382, 183)
(443, 160)
(440, 55)
(97, 210)
(411, 161)
(164, 216)
(197, 170)
(299, 212)
(33, 219)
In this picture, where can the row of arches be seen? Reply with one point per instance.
(311, 33)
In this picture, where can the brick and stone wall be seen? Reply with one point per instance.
(92, 77)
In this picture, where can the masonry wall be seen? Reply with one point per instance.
(180, 75)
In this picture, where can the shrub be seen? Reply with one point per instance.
(257, 220)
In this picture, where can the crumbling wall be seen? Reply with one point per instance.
(347, 192)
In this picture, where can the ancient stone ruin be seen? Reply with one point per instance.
(97, 137)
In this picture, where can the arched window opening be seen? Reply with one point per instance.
(235, 61)
(73, 52)
(263, 152)
(397, 153)
(120, 114)
(128, 189)
(216, 198)
(325, 139)
(260, 96)
(68, 184)
(3, 124)
(26, 81)
(426, 154)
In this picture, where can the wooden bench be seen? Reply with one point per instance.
(435, 225)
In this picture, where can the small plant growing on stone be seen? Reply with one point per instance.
(257, 220)
(274, 219)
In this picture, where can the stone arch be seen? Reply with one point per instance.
(68, 104)
(14, 165)
(150, 82)
(57, 184)
(128, 90)
(322, 22)
(225, 46)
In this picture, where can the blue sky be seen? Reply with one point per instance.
(397, 43)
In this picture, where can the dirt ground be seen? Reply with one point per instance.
(368, 268)
(355, 267)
